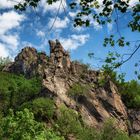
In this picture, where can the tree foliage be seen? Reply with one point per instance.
(111, 132)
(43, 108)
(130, 92)
(4, 62)
(14, 90)
(22, 126)
(69, 123)
(78, 89)
(107, 12)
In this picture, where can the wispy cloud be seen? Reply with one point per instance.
(3, 51)
(73, 14)
(59, 23)
(74, 41)
(40, 33)
(9, 41)
(9, 20)
(9, 3)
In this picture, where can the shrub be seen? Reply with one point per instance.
(3, 62)
(88, 133)
(69, 123)
(84, 67)
(14, 90)
(43, 108)
(110, 132)
(130, 92)
(102, 79)
(22, 126)
(135, 137)
(77, 90)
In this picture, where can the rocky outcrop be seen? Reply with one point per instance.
(100, 104)
(134, 118)
(29, 63)
(59, 74)
(58, 56)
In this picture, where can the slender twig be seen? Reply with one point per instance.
(131, 55)
(16, 1)
(13, 1)
(55, 18)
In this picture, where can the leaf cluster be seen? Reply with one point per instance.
(22, 6)
(14, 90)
(43, 108)
(130, 92)
(4, 61)
(111, 41)
(69, 123)
(78, 89)
(22, 126)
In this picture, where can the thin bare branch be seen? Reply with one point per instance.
(131, 55)
(55, 18)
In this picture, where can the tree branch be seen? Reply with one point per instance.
(55, 17)
(131, 55)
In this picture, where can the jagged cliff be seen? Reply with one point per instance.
(59, 74)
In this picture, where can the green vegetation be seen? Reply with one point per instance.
(15, 90)
(110, 132)
(104, 13)
(70, 123)
(38, 119)
(42, 53)
(22, 126)
(43, 108)
(78, 89)
(130, 92)
(4, 61)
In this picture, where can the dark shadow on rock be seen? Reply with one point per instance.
(90, 107)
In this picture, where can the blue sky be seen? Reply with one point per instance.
(32, 28)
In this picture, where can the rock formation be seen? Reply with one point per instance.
(59, 74)
(58, 56)
(134, 117)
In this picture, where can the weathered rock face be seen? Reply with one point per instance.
(29, 63)
(59, 74)
(100, 104)
(58, 56)
(26, 61)
(134, 117)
